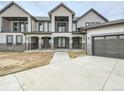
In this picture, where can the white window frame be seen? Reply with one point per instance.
(19, 42)
(41, 26)
(9, 39)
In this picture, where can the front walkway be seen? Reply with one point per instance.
(82, 73)
(60, 57)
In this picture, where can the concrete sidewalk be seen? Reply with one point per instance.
(60, 57)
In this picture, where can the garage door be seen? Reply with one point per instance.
(109, 46)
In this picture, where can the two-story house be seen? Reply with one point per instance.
(20, 31)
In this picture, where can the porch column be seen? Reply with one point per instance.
(52, 42)
(70, 42)
(29, 24)
(26, 43)
(1, 23)
(83, 41)
(53, 24)
(70, 24)
(40, 42)
(29, 43)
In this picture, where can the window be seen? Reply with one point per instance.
(41, 26)
(86, 23)
(45, 27)
(26, 26)
(61, 18)
(19, 40)
(97, 22)
(61, 27)
(49, 28)
(61, 42)
(61, 23)
(91, 23)
(111, 37)
(9, 39)
(74, 27)
(20, 26)
(15, 26)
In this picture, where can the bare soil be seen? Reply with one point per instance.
(75, 54)
(11, 62)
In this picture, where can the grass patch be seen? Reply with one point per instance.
(15, 62)
(75, 54)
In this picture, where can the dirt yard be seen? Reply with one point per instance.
(75, 54)
(11, 62)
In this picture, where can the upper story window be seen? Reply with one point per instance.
(41, 26)
(61, 18)
(26, 26)
(74, 27)
(44, 26)
(23, 26)
(61, 24)
(91, 23)
(9, 39)
(20, 26)
(15, 26)
(61, 27)
(49, 26)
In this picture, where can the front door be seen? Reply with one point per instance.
(61, 42)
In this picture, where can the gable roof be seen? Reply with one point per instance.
(13, 3)
(61, 4)
(95, 13)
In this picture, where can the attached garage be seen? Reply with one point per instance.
(106, 39)
(108, 46)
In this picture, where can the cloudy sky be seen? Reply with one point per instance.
(112, 10)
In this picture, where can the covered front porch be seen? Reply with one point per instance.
(38, 43)
(53, 43)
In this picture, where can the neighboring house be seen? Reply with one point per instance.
(20, 31)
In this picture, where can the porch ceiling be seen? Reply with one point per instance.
(16, 18)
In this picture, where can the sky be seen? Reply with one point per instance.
(112, 10)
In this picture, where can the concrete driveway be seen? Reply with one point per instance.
(83, 73)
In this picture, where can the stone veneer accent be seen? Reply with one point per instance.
(7, 48)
